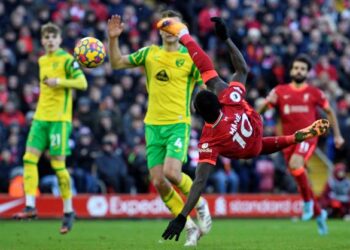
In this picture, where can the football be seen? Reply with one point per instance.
(89, 52)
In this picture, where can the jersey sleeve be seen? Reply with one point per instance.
(207, 154)
(234, 94)
(197, 76)
(72, 68)
(138, 58)
(321, 99)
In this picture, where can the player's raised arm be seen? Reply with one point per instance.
(115, 27)
(338, 138)
(237, 59)
(177, 225)
(200, 58)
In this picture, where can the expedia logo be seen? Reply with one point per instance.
(180, 62)
(162, 76)
(205, 148)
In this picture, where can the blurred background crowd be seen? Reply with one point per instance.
(108, 147)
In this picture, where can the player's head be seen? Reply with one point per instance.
(207, 105)
(300, 68)
(50, 37)
(166, 36)
(339, 171)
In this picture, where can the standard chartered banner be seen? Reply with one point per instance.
(151, 206)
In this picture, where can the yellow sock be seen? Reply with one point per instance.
(30, 173)
(185, 186)
(63, 178)
(173, 201)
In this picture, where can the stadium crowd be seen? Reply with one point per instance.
(108, 147)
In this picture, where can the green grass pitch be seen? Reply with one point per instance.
(234, 234)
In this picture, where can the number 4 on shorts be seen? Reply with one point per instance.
(178, 143)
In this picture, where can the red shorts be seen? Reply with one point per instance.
(304, 149)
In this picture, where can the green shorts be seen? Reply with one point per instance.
(166, 141)
(52, 135)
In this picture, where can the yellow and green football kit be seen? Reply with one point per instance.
(171, 78)
(51, 126)
(52, 119)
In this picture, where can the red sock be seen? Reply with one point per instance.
(276, 143)
(303, 183)
(317, 208)
(199, 57)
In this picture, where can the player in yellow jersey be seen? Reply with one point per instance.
(51, 127)
(171, 78)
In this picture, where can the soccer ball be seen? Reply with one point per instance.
(89, 52)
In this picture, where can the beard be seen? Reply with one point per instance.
(298, 79)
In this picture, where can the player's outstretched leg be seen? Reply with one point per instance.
(317, 128)
(67, 222)
(203, 216)
(26, 214)
(193, 233)
(171, 26)
(322, 222)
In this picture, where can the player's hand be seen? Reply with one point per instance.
(175, 228)
(115, 26)
(51, 82)
(220, 28)
(338, 141)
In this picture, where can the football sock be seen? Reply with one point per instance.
(30, 200)
(200, 58)
(185, 186)
(276, 143)
(173, 201)
(317, 208)
(31, 177)
(302, 183)
(67, 205)
(63, 178)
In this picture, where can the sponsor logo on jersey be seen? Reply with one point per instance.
(162, 76)
(289, 109)
(205, 148)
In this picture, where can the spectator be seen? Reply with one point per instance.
(336, 195)
(224, 178)
(84, 154)
(111, 167)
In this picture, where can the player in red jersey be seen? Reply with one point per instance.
(297, 104)
(232, 127)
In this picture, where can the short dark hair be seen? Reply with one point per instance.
(305, 59)
(207, 105)
(171, 13)
(50, 28)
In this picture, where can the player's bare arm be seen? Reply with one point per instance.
(115, 27)
(239, 64)
(202, 174)
(338, 138)
(176, 226)
(270, 99)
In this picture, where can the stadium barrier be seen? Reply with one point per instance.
(151, 206)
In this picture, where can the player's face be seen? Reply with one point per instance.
(299, 72)
(51, 42)
(168, 38)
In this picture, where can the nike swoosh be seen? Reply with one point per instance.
(10, 204)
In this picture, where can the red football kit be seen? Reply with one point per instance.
(238, 131)
(298, 109)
